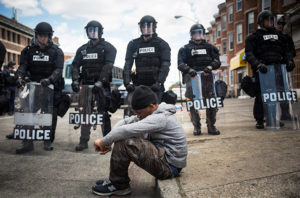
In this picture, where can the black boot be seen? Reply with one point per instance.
(81, 146)
(212, 130)
(10, 136)
(260, 124)
(197, 131)
(48, 145)
(26, 147)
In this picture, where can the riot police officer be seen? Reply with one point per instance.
(152, 59)
(198, 55)
(96, 59)
(47, 69)
(265, 46)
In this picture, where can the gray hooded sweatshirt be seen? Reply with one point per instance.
(163, 129)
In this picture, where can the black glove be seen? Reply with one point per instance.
(208, 69)
(20, 82)
(45, 82)
(262, 68)
(130, 88)
(75, 86)
(290, 66)
(156, 87)
(192, 72)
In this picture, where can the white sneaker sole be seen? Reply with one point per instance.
(117, 192)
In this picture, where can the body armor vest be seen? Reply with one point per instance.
(147, 60)
(269, 47)
(92, 63)
(198, 56)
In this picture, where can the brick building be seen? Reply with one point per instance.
(15, 38)
(237, 19)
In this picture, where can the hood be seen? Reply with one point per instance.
(165, 108)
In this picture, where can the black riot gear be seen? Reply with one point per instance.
(95, 26)
(281, 20)
(147, 22)
(199, 30)
(44, 28)
(266, 14)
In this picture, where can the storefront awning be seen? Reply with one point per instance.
(238, 61)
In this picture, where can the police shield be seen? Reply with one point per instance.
(33, 112)
(90, 108)
(279, 99)
(204, 91)
(127, 106)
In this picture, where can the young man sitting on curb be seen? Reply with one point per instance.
(162, 154)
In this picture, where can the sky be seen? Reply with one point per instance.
(120, 21)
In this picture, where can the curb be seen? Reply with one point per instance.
(169, 188)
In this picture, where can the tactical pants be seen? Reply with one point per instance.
(10, 95)
(144, 154)
(195, 118)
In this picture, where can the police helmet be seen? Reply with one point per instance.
(147, 21)
(44, 28)
(281, 20)
(199, 30)
(94, 30)
(263, 15)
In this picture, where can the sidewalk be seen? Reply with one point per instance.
(241, 162)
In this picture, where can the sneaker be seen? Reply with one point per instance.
(47, 145)
(81, 146)
(260, 124)
(26, 147)
(103, 182)
(110, 189)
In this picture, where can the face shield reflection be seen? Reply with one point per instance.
(92, 32)
(269, 22)
(197, 34)
(146, 29)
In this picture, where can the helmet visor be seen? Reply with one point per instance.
(147, 29)
(92, 32)
(197, 34)
(269, 22)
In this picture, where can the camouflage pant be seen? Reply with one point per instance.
(144, 154)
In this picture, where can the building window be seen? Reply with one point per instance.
(3, 33)
(231, 78)
(266, 4)
(218, 30)
(250, 28)
(230, 14)
(224, 46)
(230, 41)
(224, 22)
(28, 41)
(211, 38)
(14, 37)
(8, 35)
(239, 33)
(14, 57)
(19, 39)
(238, 5)
(214, 36)
(18, 59)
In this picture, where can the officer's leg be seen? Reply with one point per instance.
(195, 118)
(258, 111)
(211, 120)
(84, 138)
(106, 126)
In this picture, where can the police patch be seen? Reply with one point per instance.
(198, 51)
(270, 36)
(146, 50)
(91, 56)
(40, 58)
